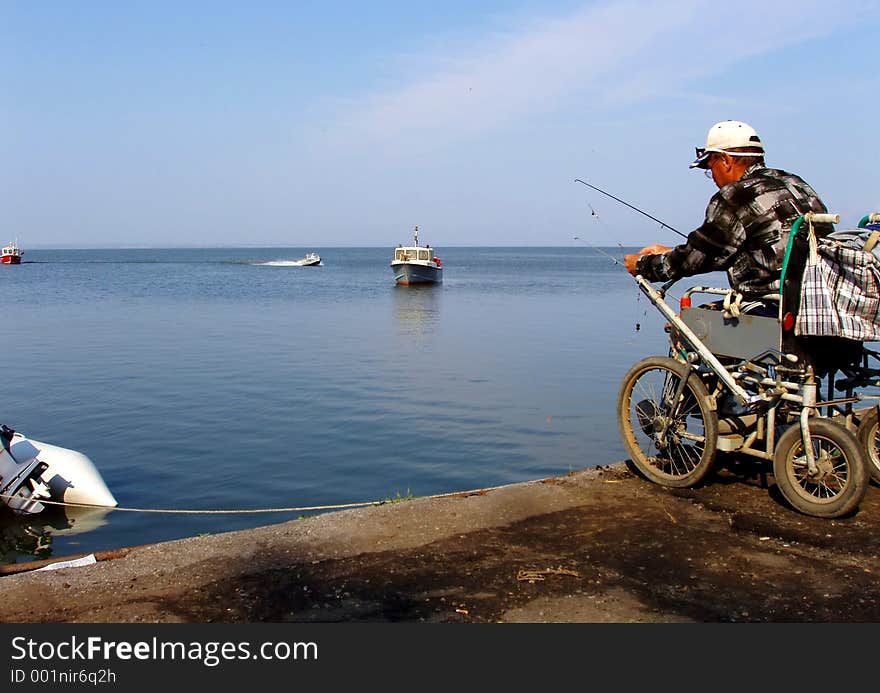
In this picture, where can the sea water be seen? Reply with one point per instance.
(226, 379)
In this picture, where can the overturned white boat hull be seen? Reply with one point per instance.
(32, 471)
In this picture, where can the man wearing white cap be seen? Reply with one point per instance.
(747, 222)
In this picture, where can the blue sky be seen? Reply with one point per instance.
(319, 124)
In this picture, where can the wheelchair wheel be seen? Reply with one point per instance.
(667, 423)
(839, 484)
(869, 436)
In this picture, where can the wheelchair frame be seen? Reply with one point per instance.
(821, 463)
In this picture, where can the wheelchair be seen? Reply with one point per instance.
(742, 383)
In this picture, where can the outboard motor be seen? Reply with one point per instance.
(20, 486)
(6, 434)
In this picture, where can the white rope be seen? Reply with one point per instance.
(732, 308)
(311, 508)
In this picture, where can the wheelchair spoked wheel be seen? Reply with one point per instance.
(869, 436)
(667, 423)
(839, 484)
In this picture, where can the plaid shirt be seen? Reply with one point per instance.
(745, 233)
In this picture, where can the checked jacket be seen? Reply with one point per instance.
(745, 233)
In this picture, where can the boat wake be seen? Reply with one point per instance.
(304, 262)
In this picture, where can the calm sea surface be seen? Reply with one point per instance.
(206, 379)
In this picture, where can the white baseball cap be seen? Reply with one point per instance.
(726, 135)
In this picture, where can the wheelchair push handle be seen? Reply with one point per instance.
(872, 218)
(820, 218)
(809, 218)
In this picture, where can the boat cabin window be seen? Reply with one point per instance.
(401, 255)
(423, 255)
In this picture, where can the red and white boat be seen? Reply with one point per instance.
(11, 254)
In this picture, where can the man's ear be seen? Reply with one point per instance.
(725, 160)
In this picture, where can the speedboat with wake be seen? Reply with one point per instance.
(32, 472)
(310, 260)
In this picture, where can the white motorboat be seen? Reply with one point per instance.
(310, 260)
(32, 472)
(416, 264)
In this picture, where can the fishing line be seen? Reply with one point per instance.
(617, 199)
(617, 262)
(663, 224)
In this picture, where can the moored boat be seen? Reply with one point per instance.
(11, 254)
(416, 264)
(32, 472)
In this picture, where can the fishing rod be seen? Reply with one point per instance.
(578, 180)
(608, 255)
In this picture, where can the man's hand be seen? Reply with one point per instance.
(631, 260)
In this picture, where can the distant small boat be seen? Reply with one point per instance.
(32, 472)
(416, 264)
(11, 254)
(309, 260)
